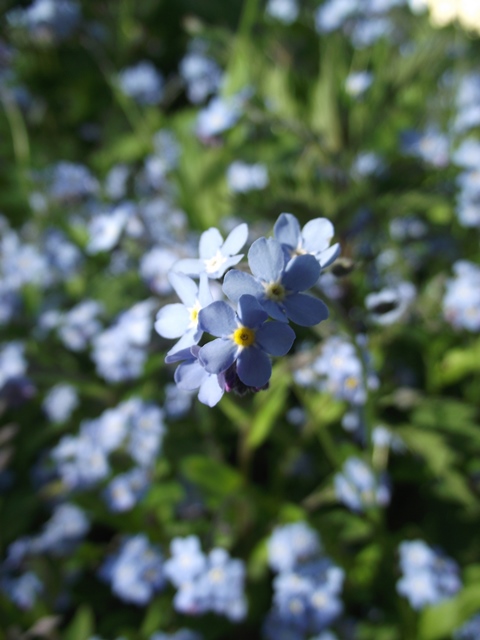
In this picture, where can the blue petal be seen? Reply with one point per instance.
(329, 255)
(186, 342)
(189, 266)
(204, 294)
(218, 319)
(218, 355)
(266, 259)
(237, 283)
(250, 312)
(210, 391)
(274, 309)
(235, 240)
(190, 375)
(275, 338)
(172, 320)
(210, 242)
(254, 367)
(225, 266)
(301, 273)
(317, 234)
(305, 310)
(185, 288)
(287, 230)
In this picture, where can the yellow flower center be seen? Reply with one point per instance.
(194, 314)
(275, 291)
(244, 337)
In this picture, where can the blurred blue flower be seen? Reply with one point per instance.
(461, 302)
(23, 589)
(359, 488)
(245, 338)
(135, 570)
(277, 285)
(428, 576)
(218, 116)
(142, 82)
(126, 489)
(291, 544)
(201, 74)
(243, 177)
(470, 630)
(72, 182)
(285, 11)
(216, 255)
(60, 402)
(67, 526)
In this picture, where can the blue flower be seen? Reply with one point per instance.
(277, 286)
(244, 338)
(313, 239)
(190, 375)
(216, 256)
(180, 320)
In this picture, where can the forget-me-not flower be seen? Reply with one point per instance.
(245, 338)
(216, 255)
(313, 239)
(277, 286)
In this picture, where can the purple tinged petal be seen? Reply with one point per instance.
(250, 312)
(276, 338)
(188, 340)
(301, 273)
(185, 288)
(254, 367)
(316, 235)
(218, 319)
(210, 392)
(172, 320)
(218, 355)
(287, 230)
(190, 375)
(238, 283)
(329, 255)
(305, 310)
(189, 266)
(266, 259)
(235, 240)
(210, 242)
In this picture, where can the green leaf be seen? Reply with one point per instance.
(459, 363)
(215, 478)
(82, 625)
(270, 405)
(439, 622)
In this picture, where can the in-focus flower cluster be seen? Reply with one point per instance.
(253, 324)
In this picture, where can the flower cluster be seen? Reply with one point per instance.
(461, 303)
(358, 487)
(428, 576)
(254, 324)
(213, 582)
(307, 587)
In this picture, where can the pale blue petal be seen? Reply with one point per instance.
(254, 367)
(305, 310)
(287, 230)
(235, 240)
(210, 391)
(172, 320)
(301, 273)
(317, 234)
(189, 266)
(210, 242)
(237, 283)
(190, 375)
(275, 338)
(225, 266)
(266, 259)
(218, 319)
(250, 312)
(329, 255)
(185, 288)
(188, 340)
(218, 355)
(204, 294)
